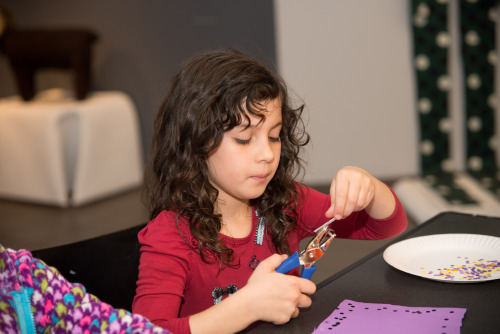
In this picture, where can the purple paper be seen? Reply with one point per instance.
(355, 317)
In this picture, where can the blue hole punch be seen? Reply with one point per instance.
(316, 248)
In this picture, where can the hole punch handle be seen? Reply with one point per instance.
(289, 264)
(308, 272)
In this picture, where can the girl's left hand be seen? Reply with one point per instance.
(352, 189)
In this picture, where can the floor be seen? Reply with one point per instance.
(35, 227)
(32, 226)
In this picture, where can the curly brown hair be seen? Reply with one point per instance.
(211, 94)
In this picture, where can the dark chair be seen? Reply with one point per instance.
(29, 50)
(107, 265)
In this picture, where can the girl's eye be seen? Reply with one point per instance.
(242, 141)
(274, 139)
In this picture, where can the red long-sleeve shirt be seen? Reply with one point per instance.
(174, 282)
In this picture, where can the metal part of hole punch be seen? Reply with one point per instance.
(315, 249)
(318, 245)
(325, 224)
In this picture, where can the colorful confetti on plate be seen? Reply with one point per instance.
(480, 269)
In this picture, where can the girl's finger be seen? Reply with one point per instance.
(304, 301)
(341, 192)
(331, 209)
(362, 199)
(352, 198)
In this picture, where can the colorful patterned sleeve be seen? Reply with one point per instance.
(36, 298)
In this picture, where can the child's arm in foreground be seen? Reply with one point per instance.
(354, 189)
(268, 296)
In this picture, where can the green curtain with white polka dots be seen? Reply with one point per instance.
(431, 42)
(477, 28)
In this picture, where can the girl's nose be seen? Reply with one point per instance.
(265, 151)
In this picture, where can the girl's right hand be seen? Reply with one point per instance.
(268, 296)
(276, 297)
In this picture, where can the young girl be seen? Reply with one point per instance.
(224, 205)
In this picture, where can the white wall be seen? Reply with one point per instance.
(350, 62)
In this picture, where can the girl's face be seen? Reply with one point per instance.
(244, 163)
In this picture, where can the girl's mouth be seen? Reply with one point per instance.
(260, 178)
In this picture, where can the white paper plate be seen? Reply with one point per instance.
(457, 258)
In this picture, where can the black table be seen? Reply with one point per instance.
(372, 280)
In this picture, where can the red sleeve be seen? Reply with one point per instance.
(359, 225)
(163, 254)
